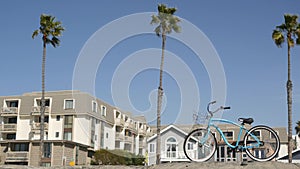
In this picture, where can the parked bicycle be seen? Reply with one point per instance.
(261, 143)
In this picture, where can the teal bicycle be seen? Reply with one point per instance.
(261, 143)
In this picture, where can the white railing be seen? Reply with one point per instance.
(15, 156)
(128, 139)
(37, 126)
(9, 111)
(119, 136)
(8, 127)
(119, 121)
(173, 156)
(37, 109)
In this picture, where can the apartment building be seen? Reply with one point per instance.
(173, 136)
(76, 124)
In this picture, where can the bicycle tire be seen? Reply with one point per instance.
(270, 143)
(197, 152)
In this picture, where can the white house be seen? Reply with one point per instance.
(173, 136)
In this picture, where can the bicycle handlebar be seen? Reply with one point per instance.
(220, 108)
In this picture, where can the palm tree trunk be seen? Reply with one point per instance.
(42, 104)
(159, 101)
(289, 86)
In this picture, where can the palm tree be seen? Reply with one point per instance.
(50, 31)
(288, 31)
(166, 22)
(297, 128)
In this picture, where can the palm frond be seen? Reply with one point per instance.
(50, 29)
(278, 37)
(35, 33)
(166, 20)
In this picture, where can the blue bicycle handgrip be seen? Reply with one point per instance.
(226, 108)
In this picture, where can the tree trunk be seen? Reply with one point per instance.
(42, 104)
(159, 101)
(289, 86)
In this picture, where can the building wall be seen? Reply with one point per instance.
(57, 154)
(23, 128)
(34, 154)
(109, 137)
(81, 130)
(69, 154)
(82, 156)
(55, 126)
(3, 148)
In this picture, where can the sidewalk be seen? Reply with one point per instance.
(205, 165)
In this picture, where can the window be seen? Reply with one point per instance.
(11, 136)
(56, 134)
(103, 110)
(152, 148)
(106, 135)
(171, 145)
(68, 122)
(12, 120)
(57, 118)
(47, 150)
(67, 135)
(94, 106)
(47, 102)
(69, 104)
(228, 135)
(13, 103)
(20, 147)
(257, 134)
(190, 146)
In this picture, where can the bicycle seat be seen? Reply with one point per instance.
(246, 120)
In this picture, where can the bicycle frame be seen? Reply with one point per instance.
(242, 128)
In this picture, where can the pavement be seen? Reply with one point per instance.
(185, 165)
(228, 165)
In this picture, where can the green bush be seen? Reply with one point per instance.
(117, 157)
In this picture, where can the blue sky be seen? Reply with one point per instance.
(240, 31)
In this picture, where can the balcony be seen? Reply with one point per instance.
(130, 126)
(119, 136)
(9, 111)
(36, 110)
(142, 132)
(142, 144)
(37, 126)
(169, 156)
(128, 139)
(8, 128)
(16, 156)
(119, 122)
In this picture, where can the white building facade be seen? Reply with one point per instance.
(76, 124)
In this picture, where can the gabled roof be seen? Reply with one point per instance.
(295, 155)
(171, 126)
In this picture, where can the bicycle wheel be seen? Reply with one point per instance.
(200, 145)
(269, 146)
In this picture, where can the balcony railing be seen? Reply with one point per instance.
(173, 156)
(119, 122)
(8, 127)
(119, 136)
(16, 156)
(142, 132)
(37, 126)
(128, 139)
(130, 126)
(36, 110)
(142, 144)
(9, 111)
